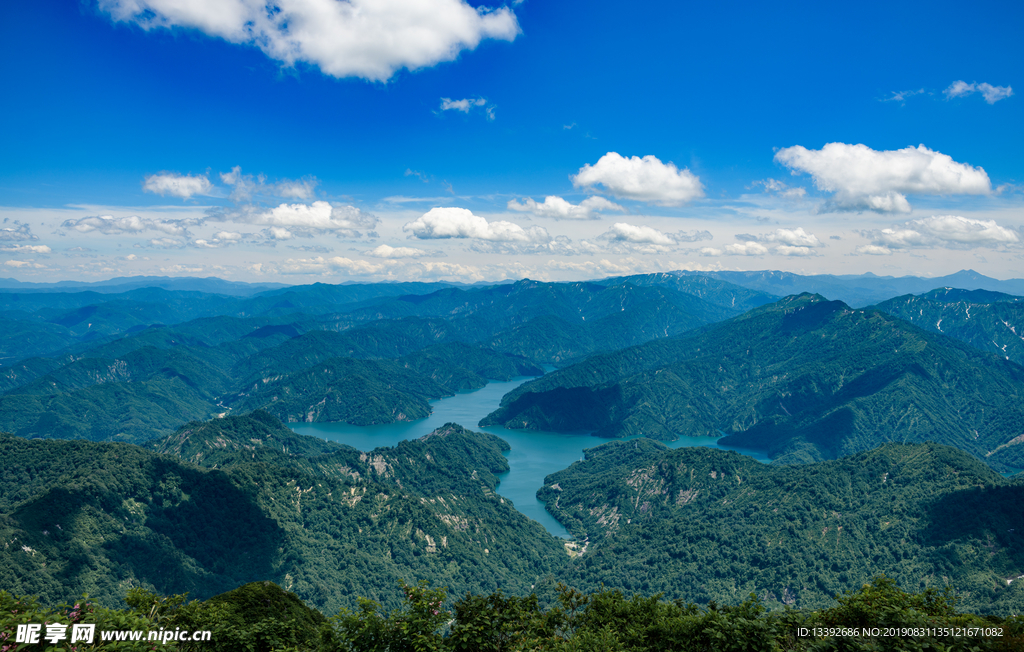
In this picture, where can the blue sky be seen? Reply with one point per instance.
(435, 139)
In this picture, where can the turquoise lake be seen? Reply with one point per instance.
(533, 456)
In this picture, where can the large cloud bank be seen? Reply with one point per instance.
(861, 178)
(946, 231)
(371, 39)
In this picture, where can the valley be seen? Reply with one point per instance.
(337, 440)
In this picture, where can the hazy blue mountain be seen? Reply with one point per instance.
(861, 289)
(712, 290)
(122, 284)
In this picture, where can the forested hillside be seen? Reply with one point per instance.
(134, 366)
(989, 321)
(703, 524)
(325, 521)
(805, 379)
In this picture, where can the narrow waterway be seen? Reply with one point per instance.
(533, 456)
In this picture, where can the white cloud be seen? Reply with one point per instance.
(246, 186)
(167, 243)
(901, 96)
(992, 94)
(788, 242)
(129, 225)
(464, 105)
(736, 249)
(371, 39)
(17, 233)
(303, 220)
(603, 267)
(874, 250)
(647, 239)
(789, 250)
(948, 231)
(177, 185)
(24, 264)
(321, 265)
(444, 222)
(645, 179)
(861, 178)
(386, 251)
(31, 249)
(219, 239)
(781, 189)
(557, 246)
(559, 209)
(792, 237)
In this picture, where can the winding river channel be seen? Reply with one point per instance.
(533, 455)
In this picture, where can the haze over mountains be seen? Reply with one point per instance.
(886, 423)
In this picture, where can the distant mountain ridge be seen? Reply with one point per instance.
(861, 289)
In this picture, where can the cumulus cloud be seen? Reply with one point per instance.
(177, 185)
(992, 94)
(386, 251)
(736, 249)
(559, 209)
(24, 264)
(17, 232)
(357, 38)
(288, 221)
(947, 231)
(861, 178)
(444, 222)
(645, 179)
(129, 225)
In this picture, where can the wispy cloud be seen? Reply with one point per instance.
(466, 105)
(992, 94)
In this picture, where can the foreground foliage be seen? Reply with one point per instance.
(261, 617)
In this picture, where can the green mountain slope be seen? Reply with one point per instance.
(804, 379)
(989, 321)
(365, 392)
(703, 524)
(324, 521)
